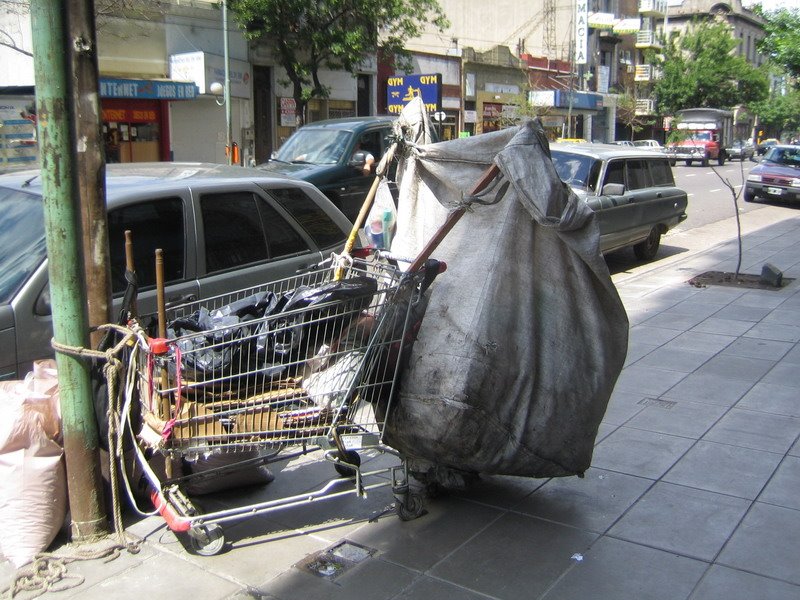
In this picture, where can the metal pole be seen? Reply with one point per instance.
(82, 59)
(227, 91)
(65, 261)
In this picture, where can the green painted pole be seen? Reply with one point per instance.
(65, 259)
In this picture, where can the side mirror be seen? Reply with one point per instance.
(358, 160)
(43, 307)
(613, 189)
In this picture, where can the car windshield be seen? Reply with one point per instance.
(702, 136)
(316, 146)
(22, 240)
(577, 170)
(787, 157)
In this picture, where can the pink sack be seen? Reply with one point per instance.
(33, 494)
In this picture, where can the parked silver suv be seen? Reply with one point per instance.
(632, 190)
(221, 229)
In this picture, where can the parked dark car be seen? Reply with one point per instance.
(765, 145)
(331, 155)
(776, 177)
(221, 229)
(632, 190)
(740, 149)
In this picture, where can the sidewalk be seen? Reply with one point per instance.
(694, 490)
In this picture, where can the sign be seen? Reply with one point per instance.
(18, 146)
(204, 69)
(581, 31)
(470, 116)
(603, 78)
(401, 89)
(127, 115)
(288, 112)
(150, 89)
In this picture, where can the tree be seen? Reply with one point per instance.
(699, 69)
(627, 115)
(780, 114)
(309, 35)
(781, 42)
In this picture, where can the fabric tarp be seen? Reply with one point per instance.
(525, 334)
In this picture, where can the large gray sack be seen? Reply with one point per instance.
(525, 334)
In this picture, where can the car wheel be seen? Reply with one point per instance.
(688, 163)
(672, 163)
(647, 249)
(748, 195)
(704, 162)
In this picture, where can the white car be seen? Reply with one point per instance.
(648, 144)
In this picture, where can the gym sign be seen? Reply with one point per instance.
(401, 89)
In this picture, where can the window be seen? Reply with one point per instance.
(315, 221)
(638, 175)
(153, 224)
(615, 172)
(661, 173)
(240, 229)
(22, 240)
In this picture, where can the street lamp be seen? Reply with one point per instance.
(224, 89)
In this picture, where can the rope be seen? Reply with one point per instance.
(44, 573)
(46, 570)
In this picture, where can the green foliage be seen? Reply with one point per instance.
(781, 42)
(700, 69)
(779, 115)
(309, 35)
(626, 114)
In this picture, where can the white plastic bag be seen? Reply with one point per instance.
(33, 496)
(381, 221)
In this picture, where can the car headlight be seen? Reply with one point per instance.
(796, 182)
(754, 177)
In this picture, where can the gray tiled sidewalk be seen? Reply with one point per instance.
(694, 492)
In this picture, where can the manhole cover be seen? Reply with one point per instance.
(744, 280)
(334, 561)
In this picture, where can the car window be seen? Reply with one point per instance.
(315, 221)
(153, 224)
(661, 173)
(371, 142)
(576, 170)
(22, 240)
(638, 175)
(241, 228)
(615, 172)
(318, 146)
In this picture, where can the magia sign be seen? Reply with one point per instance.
(401, 89)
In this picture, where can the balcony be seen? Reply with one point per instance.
(645, 73)
(647, 39)
(645, 107)
(652, 8)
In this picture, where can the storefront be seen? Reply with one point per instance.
(135, 115)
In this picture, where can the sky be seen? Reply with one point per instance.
(773, 4)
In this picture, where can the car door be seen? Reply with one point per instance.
(246, 240)
(354, 186)
(612, 208)
(164, 223)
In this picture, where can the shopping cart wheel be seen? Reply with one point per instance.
(207, 540)
(411, 508)
(349, 456)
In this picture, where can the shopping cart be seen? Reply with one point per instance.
(304, 364)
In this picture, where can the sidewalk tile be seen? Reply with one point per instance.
(593, 502)
(647, 380)
(640, 453)
(772, 398)
(676, 359)
(683, 418)
(784, 487)
(701, 342)
(427, 588)
(784, 374)
(706, 520)
(774, 331)
(742, 312)
(607, 572)
(531, 555)
(736, 367)
(709, 388)
(755, 348)
(756, 430)
(656, 336)
(767, 543)
(725, 469)
(722, 583)
(723, 326)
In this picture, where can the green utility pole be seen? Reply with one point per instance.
(67, 286)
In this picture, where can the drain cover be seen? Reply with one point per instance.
(336, 560)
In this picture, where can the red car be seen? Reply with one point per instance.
(777, 176)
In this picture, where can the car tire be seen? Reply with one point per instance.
(748, 195)
(688, 163)
(672, 163)
(648, 249)
(704, 162)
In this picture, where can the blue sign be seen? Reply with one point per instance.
(401, 89)
(149, 89)
(580, 100)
